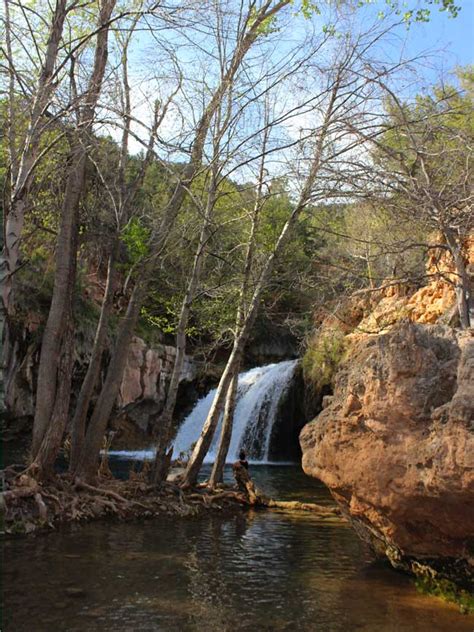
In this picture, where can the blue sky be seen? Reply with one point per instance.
(455, 35)
(448, 42)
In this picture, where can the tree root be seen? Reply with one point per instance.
(42, 509)
(29, 505)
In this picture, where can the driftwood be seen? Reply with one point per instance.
(254, 498)
(292, 505)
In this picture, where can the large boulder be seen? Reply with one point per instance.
(395, 446)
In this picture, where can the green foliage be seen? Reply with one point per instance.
(164, 322)
(417, 14)
(323, 356)
(136, 238)
(266, 27)
(309, 8)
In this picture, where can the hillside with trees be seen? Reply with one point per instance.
(241, 182)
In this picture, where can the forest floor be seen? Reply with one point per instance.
(29, 506)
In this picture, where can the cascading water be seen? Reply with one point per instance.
(258, 396)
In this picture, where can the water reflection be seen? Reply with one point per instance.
(254, 571)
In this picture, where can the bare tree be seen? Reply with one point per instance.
(347, 97)
(204, 441)
(251, 22)
(422, 170)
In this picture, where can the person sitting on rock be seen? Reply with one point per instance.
(243, 459)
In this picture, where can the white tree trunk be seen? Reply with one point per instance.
(203, 443)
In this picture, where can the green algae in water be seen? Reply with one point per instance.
(428, 584)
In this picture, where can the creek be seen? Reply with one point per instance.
(255, 571)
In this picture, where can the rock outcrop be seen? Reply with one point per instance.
(146, 371)
(143, 391)
(139, 404)
(395, 445)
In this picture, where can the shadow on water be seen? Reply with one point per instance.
(254, 571)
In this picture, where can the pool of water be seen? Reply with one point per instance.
(255, 571)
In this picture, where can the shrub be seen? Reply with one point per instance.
(323, 356)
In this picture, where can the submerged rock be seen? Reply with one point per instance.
(395, 446)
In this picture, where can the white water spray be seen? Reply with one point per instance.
(258, 396)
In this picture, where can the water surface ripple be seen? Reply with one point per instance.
(257, 571)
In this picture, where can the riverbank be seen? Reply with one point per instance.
(29, 506)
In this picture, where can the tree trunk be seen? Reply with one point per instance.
(126, 195)
(60, 304)
(51, 441)
(217, 473)
(205, 439)
(462, 281)
(164, 431)
(93, 370)
(22, 173)
(89, 458)
(43, 465)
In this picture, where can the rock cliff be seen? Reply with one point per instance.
(143, 392)
(395, 445)
(141, 398)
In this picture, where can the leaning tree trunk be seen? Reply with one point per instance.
(89, 458)
(93, 370)
(164, 431)
(127, 195)
(217, 473)
(228, 421)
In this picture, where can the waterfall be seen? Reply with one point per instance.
(259, 393)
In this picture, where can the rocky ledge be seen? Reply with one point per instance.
(395, 445)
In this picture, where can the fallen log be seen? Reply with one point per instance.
(293, 505)
(254, 498)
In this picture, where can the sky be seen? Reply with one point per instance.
(450, 42)
(454, 36)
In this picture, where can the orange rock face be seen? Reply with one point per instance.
(395, 445)
(425, 305)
